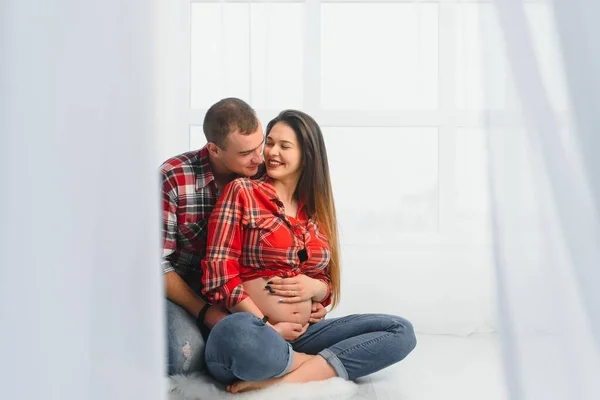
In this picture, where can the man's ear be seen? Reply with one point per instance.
(213, 149)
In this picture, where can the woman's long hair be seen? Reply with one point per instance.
(314, 185)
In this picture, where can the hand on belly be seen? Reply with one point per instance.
(270, 306)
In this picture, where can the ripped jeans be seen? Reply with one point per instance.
(185, 345)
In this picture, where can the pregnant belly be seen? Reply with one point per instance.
(269, 304)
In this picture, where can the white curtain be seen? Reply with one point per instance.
(545, 181)
(80, 305)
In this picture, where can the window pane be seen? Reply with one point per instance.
(385, 181)
(546, 46)
(220, 52)
(277, 55)
(484, 80)
(382, 188)
(379, 56)
(472, 92)
(197, 139)
(472, 180)
(259, 61)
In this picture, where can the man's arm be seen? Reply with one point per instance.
(177, 290)
(181, 294)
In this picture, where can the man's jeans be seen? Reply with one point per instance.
(185, 345)
(242, 347)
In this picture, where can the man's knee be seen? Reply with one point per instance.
(186, 355)
(185, 345)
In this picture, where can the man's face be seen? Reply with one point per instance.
(243, 153)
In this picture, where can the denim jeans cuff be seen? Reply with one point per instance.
(335, 362)
(289, 363)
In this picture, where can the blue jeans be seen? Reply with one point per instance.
(185, 345)
(242, 347)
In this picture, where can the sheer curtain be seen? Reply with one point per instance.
(545, 181)
(80, 314)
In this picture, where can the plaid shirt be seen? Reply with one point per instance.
(189, 193)
(250, 236)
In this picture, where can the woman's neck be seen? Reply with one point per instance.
(286, 189)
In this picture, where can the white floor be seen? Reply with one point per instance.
(440, 368)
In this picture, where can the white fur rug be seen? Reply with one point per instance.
(202, 387)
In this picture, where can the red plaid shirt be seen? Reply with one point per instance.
(189, 193)
(250, 236)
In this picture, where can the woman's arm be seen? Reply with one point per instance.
(321, 290)
(247, 305)
(322, 286)
(221, 268)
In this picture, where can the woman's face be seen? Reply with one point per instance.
(283, 156)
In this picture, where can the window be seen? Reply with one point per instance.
(395, 85)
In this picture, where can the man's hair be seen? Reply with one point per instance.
(226, 116)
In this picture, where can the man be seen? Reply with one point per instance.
(191, 184)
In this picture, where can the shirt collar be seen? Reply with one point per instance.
(266, 182)
(204, 176)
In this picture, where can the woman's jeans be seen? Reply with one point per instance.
(242, 347)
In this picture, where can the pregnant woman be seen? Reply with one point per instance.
(272, 252)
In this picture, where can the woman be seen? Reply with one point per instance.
(273, 250)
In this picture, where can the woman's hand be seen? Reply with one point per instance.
(290, 331)
(293, 290)
(317, 313)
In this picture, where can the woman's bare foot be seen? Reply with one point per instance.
(245, 386)
(314, 368)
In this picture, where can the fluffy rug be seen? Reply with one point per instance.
(202, 387)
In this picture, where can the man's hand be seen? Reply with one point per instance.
(290, 331)
(318, 313)
(214, 314)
